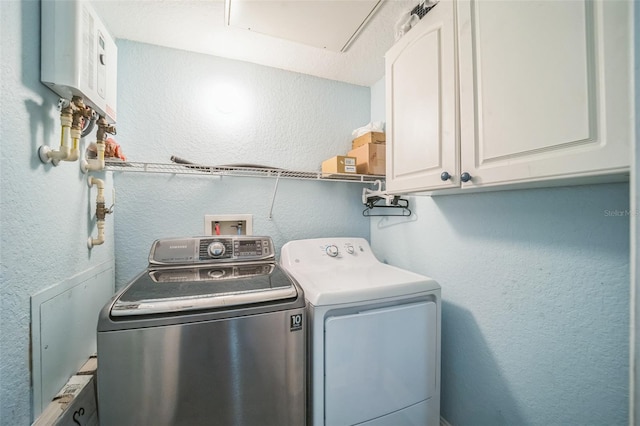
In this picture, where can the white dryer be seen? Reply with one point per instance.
(374, 336)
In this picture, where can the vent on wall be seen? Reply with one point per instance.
(328, 24)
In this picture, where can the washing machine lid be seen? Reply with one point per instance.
(178, 289)
(362, 283)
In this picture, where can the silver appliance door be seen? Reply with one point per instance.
(241, 371)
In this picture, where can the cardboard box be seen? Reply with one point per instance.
(339, 164)
(371, 137)
(370, 158)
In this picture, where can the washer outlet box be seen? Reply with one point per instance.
(228, 224)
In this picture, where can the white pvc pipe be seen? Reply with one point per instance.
(100, 239)
(94, 164)
(99, 183)
(74, 152)
(47, 154)
(63, 152)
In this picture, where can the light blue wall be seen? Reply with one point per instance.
(378, 108)
(535, 288)
(173, 102)
(45, 212)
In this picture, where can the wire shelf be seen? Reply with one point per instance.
(234, 171)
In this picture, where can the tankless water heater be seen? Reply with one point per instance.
(78, 55)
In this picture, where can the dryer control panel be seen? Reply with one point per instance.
(202, 250)
(327, 252)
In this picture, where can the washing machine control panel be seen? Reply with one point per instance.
(199, 250)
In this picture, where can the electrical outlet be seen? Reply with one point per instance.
(228, 224)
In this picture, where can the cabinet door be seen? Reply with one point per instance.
(545, 89)
(422, 136)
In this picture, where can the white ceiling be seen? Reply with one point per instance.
(199, 26)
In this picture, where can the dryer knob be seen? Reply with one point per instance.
(216, 249)
(331, 250)
(350, 249)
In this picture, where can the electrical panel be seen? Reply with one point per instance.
(78, 56)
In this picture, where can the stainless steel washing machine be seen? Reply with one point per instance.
(211, 333)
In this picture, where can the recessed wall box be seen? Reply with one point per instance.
(228, 224)
(78, 56)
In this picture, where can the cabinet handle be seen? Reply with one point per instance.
(445, 176)
(465, 177)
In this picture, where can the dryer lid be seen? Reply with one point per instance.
(178, 289)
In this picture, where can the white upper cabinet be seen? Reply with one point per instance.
(421, 104)
(544, 93)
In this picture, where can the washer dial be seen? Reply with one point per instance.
(332, 250)
(216, 249)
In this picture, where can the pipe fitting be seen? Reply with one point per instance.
(101, 211)
(94, 164)
(99, 240)
(74, 152)
(45, 153)
(103, 129)
(80, 114)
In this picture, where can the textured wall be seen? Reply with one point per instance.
(45, 211)
(535, 287)
(377, 97)
(217, 111)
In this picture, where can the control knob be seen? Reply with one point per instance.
(216, 249)
(350, 249)
(331, 250)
